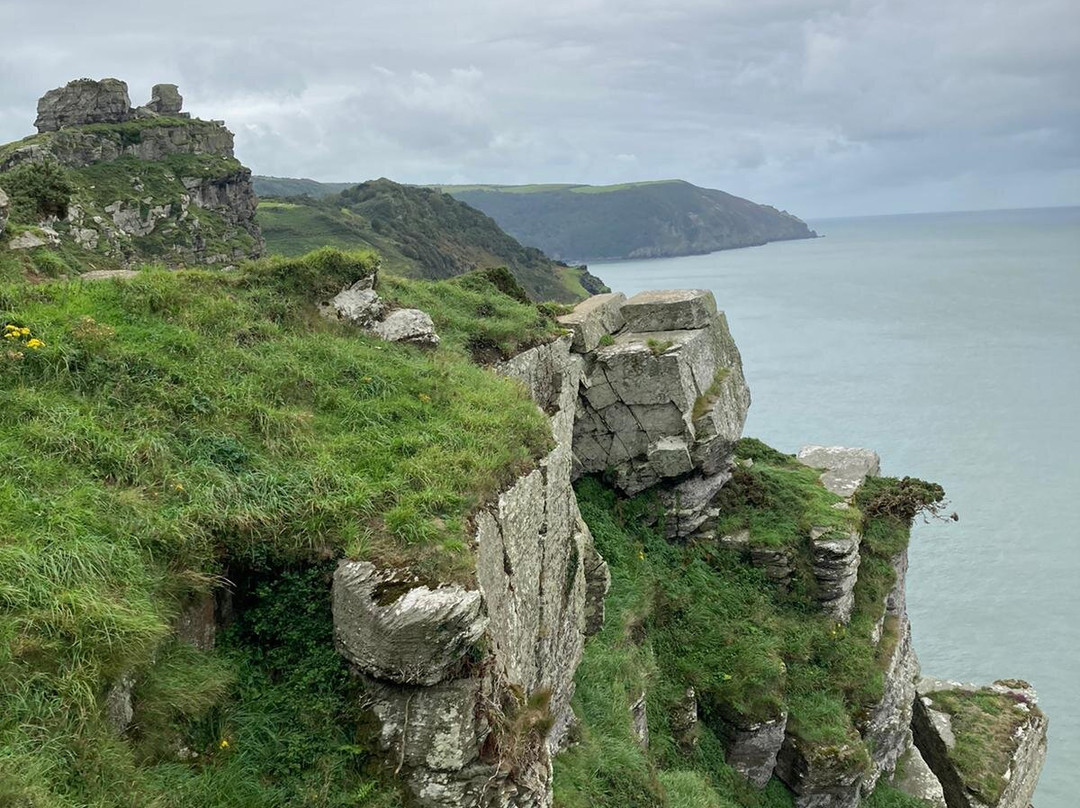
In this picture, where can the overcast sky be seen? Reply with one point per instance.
(822, 107)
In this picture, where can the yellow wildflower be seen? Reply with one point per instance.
(24, 331)
(179, 486)
(223, 744)
(11, 335)
(425, 398)
(35, 343)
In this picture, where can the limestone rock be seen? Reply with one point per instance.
(408, 325)
(415, 637)
(362, 307)
(887, 730)
(914, 777)
(197, 624)
(27, 240)
(5, 204)
(119, 707)
(845, 469)
(108, 274)
(669, 310)
(835, 564)
(165, 99)
(683, 721)
(437, 727)
(752, 750)
(829, 780)
(594, 318)
(935, 737)
(84, 101)
(664, 407)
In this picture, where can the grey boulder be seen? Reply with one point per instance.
(594, 318)
(844, 469)
(165, 99)
(669, 310)
(408, 325)
(5, 204)
(415, 637)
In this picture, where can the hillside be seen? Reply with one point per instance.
(590, 223)
(634, 220)
(419, 233)
(105, 186)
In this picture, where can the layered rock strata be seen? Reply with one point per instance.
(1016, 710)
(472, 685)
(662, 398)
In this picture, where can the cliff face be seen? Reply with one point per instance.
(104, 185)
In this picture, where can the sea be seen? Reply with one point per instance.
(950, 344)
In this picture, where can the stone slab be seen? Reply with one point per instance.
(669, 310)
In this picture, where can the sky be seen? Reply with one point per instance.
(823, 107)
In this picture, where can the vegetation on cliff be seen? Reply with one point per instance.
(168, 431)
(697, 615)
(420, 233)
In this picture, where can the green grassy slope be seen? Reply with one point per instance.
(163, 432)
(575, 222)
(698, 615)
(420, 233)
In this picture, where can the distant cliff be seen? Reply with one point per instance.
(420, 233)
(636, 220)
(591, 223)
(105, 185)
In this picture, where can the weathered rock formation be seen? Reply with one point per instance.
(82, 102)
(472, 685)
(943, 712)
(663, 398)
(175, 210)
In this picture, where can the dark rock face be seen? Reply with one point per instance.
(84, 101)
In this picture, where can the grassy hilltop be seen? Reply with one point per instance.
(575, 222)
(165, 432)
(420, 233)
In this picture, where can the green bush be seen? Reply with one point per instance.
(38, 191)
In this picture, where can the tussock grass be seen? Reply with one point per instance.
(181, 423)
(985, 725)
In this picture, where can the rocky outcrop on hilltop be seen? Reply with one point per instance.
(128, 185)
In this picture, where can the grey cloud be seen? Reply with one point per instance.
(821, 107)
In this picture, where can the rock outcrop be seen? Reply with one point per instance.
(663, 398)
(1004, 715)
(472, 686)
(82, 102)
(176, 195)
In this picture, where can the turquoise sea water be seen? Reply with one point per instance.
(950, 343)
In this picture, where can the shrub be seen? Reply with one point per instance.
(38, 191)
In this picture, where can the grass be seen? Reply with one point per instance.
(180, 424)
(985, 724)
(699, 615)
(709, 397)
(779, 500)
